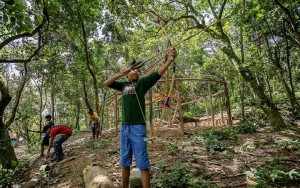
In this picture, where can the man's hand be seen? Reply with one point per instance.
(172, 54)
(125, 72)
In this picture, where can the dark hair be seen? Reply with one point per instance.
(48, 116)
(45, 128)
(90, 110)
(133, 62)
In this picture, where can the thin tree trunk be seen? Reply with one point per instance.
(289, 65)
(212, 115)
(180, 112)
(78, 107)
(275, 60)
(85, 95)
(243, 60)
(268, 84)
(91, 71)
(227, 103)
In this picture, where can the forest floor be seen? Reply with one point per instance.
(170, 154)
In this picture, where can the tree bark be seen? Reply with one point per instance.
(7, 151)
(91, 71)
(227, 103)
(275, 60)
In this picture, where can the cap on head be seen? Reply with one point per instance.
(48, 116)
(45, 128)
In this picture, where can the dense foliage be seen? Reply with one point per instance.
(56, 54)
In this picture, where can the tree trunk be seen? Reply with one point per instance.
(7, 151)
(85, 95)
(275, 60)
(8, 157)
(268, 84)
(91, 71)
(78, 115)
(263, 101)
(242, 59)
(227, 103)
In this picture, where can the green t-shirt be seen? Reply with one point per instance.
(132, 113)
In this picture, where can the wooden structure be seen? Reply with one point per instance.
(180, 97)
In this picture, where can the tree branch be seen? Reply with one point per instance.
(35, 53)
(222, 8)
(212, 10)
(26, 34)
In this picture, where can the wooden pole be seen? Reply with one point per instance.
(116, 114)
(107, 118)
(206, 110)
(221, 110)
(211, 105)
(169, 117)
(180, 112)
(174, 115)
(151, 113)
(227, 102)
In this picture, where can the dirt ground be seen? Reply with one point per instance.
(222, 169)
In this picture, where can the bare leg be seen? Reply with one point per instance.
(42, 151)
(97, 135)
(145, 178)
(125, 176)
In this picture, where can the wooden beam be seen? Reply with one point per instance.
(116, 114)
(221, 110)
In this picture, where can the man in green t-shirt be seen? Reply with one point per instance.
(133, 131)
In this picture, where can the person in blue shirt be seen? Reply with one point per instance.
(46, 137)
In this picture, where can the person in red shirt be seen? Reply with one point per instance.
(62, 133)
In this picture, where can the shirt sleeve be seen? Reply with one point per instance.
(150, 80)
(50, 124)
(116, 85)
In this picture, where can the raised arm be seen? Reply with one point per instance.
(111, 79)
(170, 58)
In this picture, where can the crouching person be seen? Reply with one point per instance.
(62, 133)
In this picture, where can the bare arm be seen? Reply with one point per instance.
(170, 58)
(111, 79)
(50, 145)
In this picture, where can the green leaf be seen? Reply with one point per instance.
(19, 7)
(38, 19)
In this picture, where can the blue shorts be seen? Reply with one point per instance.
(45, 140)
(133, 141)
